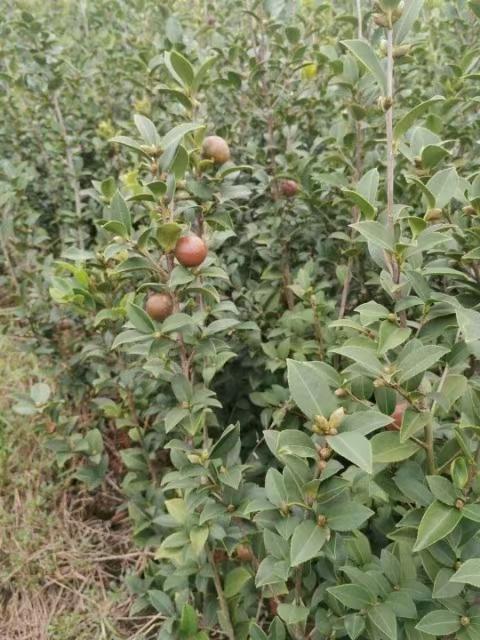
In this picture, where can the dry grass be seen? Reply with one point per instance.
(60, 568)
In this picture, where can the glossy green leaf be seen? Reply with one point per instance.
(363, 51)
(354, 447)
(438, 521)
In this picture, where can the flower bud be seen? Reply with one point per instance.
(320, 424)
(325, 453)
(321, 465)
(336, 418)
(433, 215)
(340, 393)
(385, 103)
(381, 20)
(321, 520)
(402, 50)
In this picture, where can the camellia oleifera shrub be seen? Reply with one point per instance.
(276, 323)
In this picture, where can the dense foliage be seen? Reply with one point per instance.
(269, 340)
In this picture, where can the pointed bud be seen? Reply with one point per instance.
(433, 215)
(402, 50)
(336, 418)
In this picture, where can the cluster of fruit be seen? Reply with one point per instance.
(191, 250)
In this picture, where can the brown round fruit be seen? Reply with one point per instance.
(159, 306)
(190, 251)
(397, 416)
(288, 188)
(244, 553)
(215, 148)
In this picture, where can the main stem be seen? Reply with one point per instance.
(389, 124)
(221, 598)
(394, 265)
(359, 19)
(358, 173)
(74, 183)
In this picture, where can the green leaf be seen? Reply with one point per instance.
(368, 185)
(293, 613)
(309, 389)
(140, 320)
(419, 360)
(469, 324)
(430, 198)
(471, 511)
(439, 623)
(130, 143)
(189, 620)
(352, 596)
(443, 588)
(177, 508)
(175, 322)
(364, 422)
(469, 573)
(147, 130)
(404, 124)
(410, 13)
(354, 625)
(275, 489)
(412, 423)
(292, 442)
(364, 205)
(217, 326)
(203, 71)
(198, 539)
(354, 447)
(134, 264)
(168, 234)
(226, 442)
(182, 67)
(235, 580)
(376, 233)
(256, 633)
(307, 541)
(363, 356)
(161, 602)
(390, 336)
(442, 489)
(366, 55)
(346, 515)
(120, 211)
(383, 618)
(444, 186)
(387, 447)
(175, 135)
(437, 522)
(129, 337)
